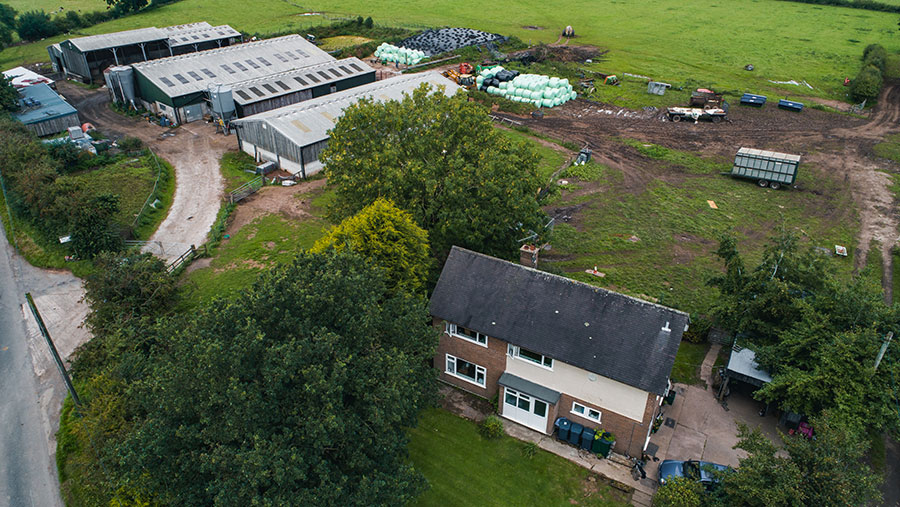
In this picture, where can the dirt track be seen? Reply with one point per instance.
(841, 145)
(194, 151)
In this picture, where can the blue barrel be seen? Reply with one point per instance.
(587, 439)
(563, 426)
(575, 433)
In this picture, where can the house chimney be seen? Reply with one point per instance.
(528, 255)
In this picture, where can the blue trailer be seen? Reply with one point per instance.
(750, 99)
(790, 105)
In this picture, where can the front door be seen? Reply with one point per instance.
(525, 409)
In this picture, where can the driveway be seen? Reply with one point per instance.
(193, 150)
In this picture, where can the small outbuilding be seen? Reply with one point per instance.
(45, 112)
(21, 77)
(294, 136)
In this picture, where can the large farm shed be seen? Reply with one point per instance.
(263, 75)
(45, 112)
(294, 136)
(85, 58)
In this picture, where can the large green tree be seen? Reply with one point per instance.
(92, 228)
(9, 96)
(35, 25)
(297, 392)
(389, 239)
(825, 471)
(817, 335)
(439, 158)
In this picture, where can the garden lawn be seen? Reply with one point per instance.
(686, 43)
(464, 469)
(686, 369)
(659, 242)
(258, 246)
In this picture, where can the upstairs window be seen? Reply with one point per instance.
(530, 356)
(465, 333)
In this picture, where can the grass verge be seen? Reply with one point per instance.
(443, 446)
(551, 158)
(234, 166)
(687, 362)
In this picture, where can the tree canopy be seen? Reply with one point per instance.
(440, 159)
(9, 96)
(825, 471)
(35, 25)
(297, 392)
(817, 336)
(388, 238)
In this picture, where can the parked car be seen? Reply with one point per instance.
(701, 471)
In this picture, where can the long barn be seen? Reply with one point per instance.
(85, 58)
(293, 137)
(262, 75)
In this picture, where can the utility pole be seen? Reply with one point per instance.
(884, 346)
(53, 351)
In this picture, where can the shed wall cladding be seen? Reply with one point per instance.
(54, 126)
(273, 103)
(74, 60)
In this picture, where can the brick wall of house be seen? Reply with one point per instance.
(492, 358)
(629, 433)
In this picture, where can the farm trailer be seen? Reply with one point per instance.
(696, 114)
(767, 168)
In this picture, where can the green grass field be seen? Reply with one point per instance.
(658, 242)
(131, 179)
(686, 369)
(464, 469)
(552, 156)
(683, 42)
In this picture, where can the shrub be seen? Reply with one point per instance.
(35, 25)
(698, 329)
(359, 20)
(679, 492)
(867, 84)
(529, 449)
(491, 427)
(130, 144)
(368, 22)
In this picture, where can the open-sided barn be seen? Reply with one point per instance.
(85, 58)
(294, 136)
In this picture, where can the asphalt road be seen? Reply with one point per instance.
(27, 474)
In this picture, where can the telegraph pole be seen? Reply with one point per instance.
(53, 351)
(884, 346)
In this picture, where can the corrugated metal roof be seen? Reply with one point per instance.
(175, 29)
(283, 83)
(200, 34)
(116, 39)
(743, 361)
(772, 155)
(22, 77)
(51, 106)
(194, 72)
(309, 121)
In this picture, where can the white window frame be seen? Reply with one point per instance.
(515, 351)
(454, 371)
(585, 411)
(452, 330)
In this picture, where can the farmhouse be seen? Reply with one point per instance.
(294, 136)
(551, 347)
(85, 58)
(45, 112)
(262, 75)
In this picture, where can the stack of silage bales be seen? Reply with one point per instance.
(537, 89)
(394, 54)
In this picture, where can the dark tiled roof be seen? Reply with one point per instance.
(617, 336)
